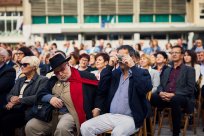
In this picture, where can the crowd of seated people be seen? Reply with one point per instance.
(98, 89)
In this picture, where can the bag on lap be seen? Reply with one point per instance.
(43, 111)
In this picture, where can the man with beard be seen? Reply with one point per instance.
(72, 93)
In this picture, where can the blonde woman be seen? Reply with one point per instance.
(145, 63)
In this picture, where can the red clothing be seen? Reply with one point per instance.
(77, 92)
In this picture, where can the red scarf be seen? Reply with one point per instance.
(76, 92)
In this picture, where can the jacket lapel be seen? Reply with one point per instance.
(116, 80)
(181, 74)
(31, 82)
(166, 77)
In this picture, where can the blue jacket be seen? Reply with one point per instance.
(140, 84)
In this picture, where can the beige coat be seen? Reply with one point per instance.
(62, 90)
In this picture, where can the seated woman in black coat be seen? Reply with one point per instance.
(21, 98)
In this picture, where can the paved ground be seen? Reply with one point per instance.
(165, 131)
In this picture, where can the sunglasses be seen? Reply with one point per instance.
(24, 64)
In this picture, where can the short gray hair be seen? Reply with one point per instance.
(33, 61)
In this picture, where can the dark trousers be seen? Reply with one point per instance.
(202, 93)
(9, 120)
(176, 103)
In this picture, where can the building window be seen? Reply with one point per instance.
(15, 25)
(162, 18)
(146, 18)
(159, 36)
(114, 36)
(38, 19)
(174, 35)
(54, 19)
(2, 26)
(177, 18)
(58, 37)
(70, 19)
(145, 36)
(8, 26)
(127, 36)
(2, 13)
(102, 36)
(9, 21)
(90, 37)
(91, 19)
(125, 18)
(201, 10)
(108, 18)
(71, 37)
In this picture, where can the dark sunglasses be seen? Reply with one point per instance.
(24, 64)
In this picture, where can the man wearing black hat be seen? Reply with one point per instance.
(72, 93)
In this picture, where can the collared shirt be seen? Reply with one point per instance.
(23, 88)
(120, 101)
(171, 85)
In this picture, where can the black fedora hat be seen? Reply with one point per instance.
(57, 60)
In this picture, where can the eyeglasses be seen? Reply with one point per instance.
(86, 60)
(175, 53)
(19, 53)
(24, 64)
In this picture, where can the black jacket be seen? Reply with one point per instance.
(11, 63)
(7, 80)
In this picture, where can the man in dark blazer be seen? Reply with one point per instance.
(7, 78)
(126, 103)
(176, 88)
(72, 93)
